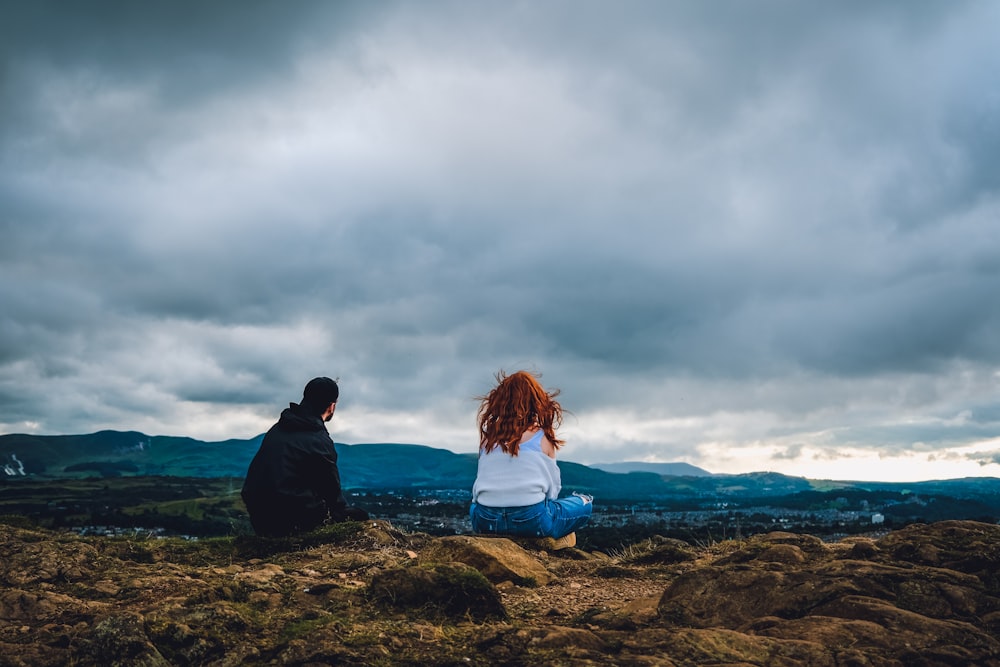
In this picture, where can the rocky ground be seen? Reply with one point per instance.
(368, 594)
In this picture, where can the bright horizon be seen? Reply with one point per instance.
(856, 465)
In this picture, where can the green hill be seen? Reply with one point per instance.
(410, 466)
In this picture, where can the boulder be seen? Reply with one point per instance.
(450, 590)
(574, 642)
(721, 646)
(121, 641)
(498, 558)
(660, 550)
(793, 588)
(964, 546)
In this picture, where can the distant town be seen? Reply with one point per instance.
(130, 485)
(446, 512)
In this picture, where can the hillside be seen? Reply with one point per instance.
(111, 454)
(673, 469)
(115, 453)
(370, 594)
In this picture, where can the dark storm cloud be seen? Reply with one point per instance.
(190, 49)
(736, 223)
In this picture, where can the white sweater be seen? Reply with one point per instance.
(516, 481)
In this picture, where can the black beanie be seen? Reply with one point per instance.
(320, 393)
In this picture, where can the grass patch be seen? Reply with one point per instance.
(17, 521)
(253, 546)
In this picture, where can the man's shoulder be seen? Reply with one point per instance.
(297, 437)
(293, 421)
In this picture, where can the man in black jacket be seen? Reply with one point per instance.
(293, 484)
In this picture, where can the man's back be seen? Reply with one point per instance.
(293, 483)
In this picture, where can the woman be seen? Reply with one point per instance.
(517, 484)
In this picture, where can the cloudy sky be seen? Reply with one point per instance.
(745, 235)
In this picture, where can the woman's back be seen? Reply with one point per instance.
(503, 480)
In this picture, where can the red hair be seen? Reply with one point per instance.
(517, 403)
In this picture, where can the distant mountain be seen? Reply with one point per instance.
(107, 453)
(395, 466)
(673, 469)
(389, 466)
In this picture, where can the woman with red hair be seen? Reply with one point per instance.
(517, 484)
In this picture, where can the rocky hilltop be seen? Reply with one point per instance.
(369, 594)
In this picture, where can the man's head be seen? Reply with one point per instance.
(320, 396)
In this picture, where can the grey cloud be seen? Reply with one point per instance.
(985, 458)
(680, 210)
(188, 45)
(793, 452)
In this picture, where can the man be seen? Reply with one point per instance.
(293, 484)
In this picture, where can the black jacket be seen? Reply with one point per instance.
(293, 483)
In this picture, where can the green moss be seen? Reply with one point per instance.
(301, 627)
(252, 546)
(17, 521)
(452, 590)
(208, 551)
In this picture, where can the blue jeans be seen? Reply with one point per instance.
(549, 518)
